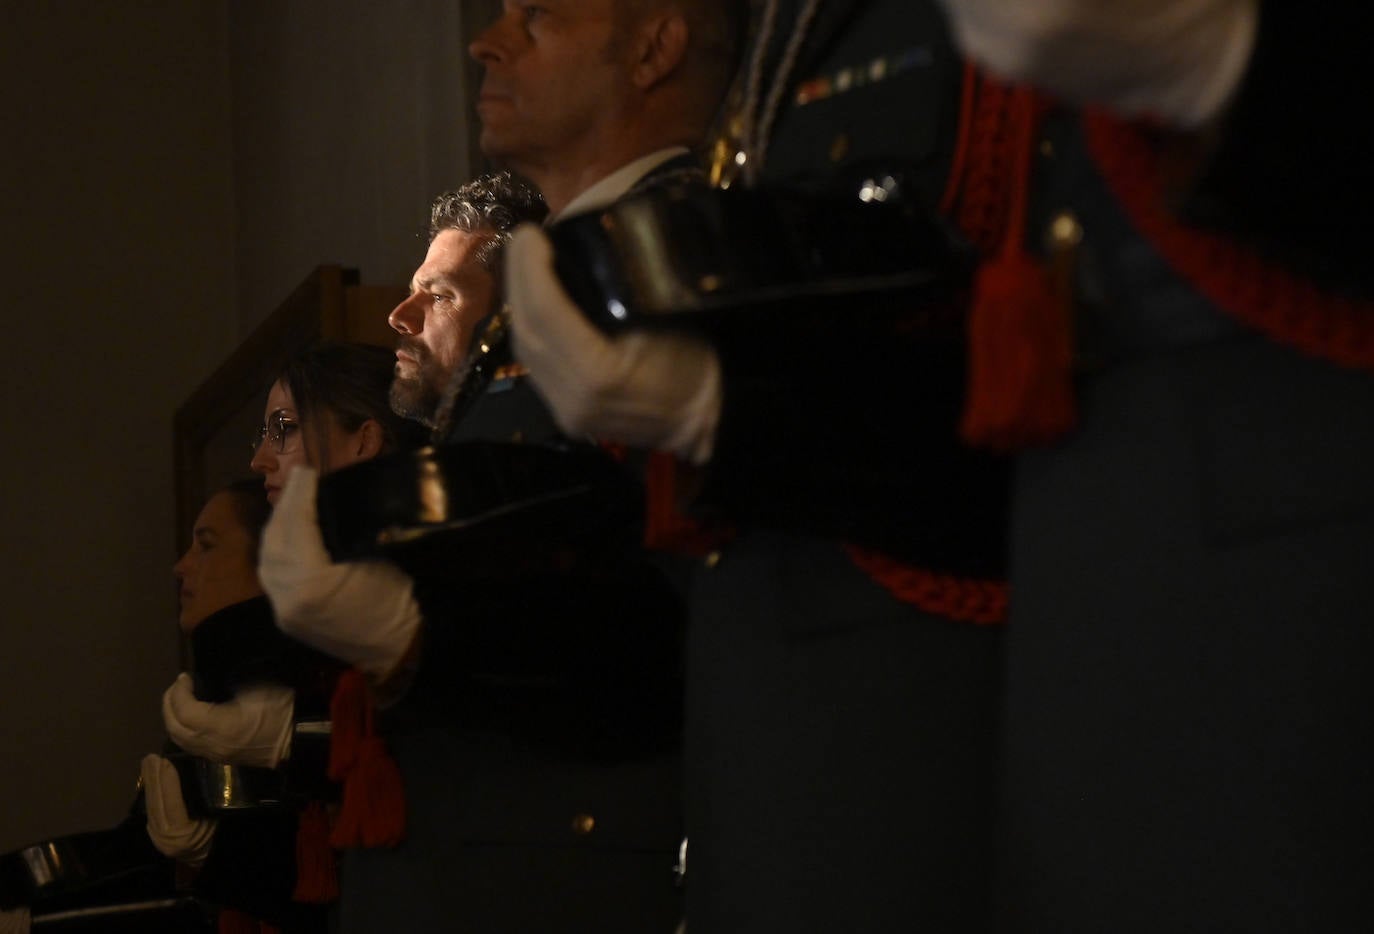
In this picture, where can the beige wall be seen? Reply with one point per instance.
(347, 121)
(171, 169)
(117, 290)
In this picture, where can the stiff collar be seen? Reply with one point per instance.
(613, 186)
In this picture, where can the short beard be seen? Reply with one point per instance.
(410, 398)
(416, 397)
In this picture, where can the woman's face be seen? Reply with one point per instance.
(284, 442)
(281, 444)
(218, 568)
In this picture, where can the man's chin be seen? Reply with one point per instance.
(409, 400)
(498, 149)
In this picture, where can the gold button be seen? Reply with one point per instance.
(517, 436)
(839, 147)
(1064, 232)
(712, 559)
(582, 824)
(1047, 149)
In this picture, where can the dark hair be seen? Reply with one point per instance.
(248, 499)
(349, 383)
(497, 202)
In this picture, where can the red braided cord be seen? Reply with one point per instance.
(986, 168)
(955, 177)
(963, 599)
(978, 196)
(1278, 304)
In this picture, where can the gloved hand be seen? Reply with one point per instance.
(252, 729)
(363, 612)
(647, 390)
(172, 830)
(1178, 60)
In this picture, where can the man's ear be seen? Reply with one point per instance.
(370, 439)
(661, 48)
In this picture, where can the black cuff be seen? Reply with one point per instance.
(241, 645)
(845, 425)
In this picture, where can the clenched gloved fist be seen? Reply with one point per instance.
(175, 834)
(360, 612)
(254, 728)
(647, 390)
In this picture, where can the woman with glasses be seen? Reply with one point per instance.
(327, 410)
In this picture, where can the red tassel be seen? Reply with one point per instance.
(1020, 388)
(348, 719)
(614, 450)
(373, 809)
(372, 813)
(663, 522)
(1021, 358)
(233, 921)
(317, 879)
(666, 527)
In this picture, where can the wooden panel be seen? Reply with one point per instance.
(366, 309)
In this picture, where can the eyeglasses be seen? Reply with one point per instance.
(280, 429)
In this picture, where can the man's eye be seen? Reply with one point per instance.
(531, 13)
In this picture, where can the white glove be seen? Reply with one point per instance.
(1178, 60)
(363, 613)
(647, 390)
(252, 729)
(172, 830)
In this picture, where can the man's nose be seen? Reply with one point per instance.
(488, 46)
(409, 316)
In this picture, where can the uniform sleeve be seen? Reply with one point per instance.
(243, 646)
(578, 653)
(845, 424)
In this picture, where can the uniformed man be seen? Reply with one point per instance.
(842, 692)
(536, 711)
(1187, 715)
